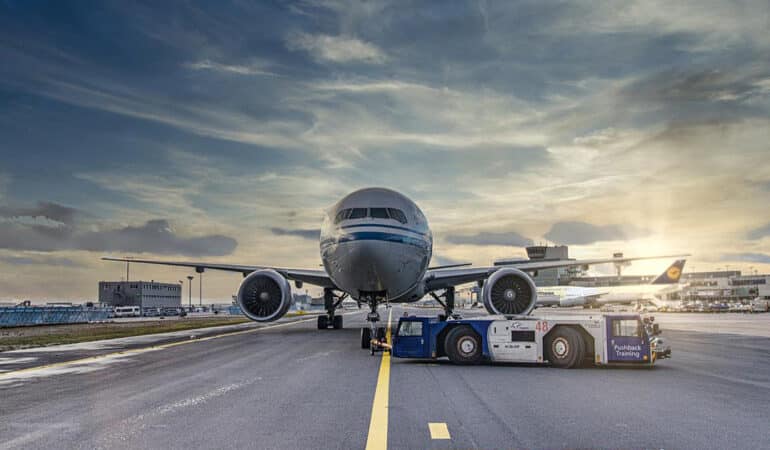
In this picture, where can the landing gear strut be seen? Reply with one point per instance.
(372, 331)
(448, 303)
(331, 303)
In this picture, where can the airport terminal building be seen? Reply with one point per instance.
(147, 294)
(751, 286)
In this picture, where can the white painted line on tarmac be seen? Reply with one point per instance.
(77, 365)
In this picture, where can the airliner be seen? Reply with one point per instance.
(375, 246)
(664, 284)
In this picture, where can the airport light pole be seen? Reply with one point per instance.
(181, 290)
(200, 270)
(189, 291)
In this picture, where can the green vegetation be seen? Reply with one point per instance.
(26, 337)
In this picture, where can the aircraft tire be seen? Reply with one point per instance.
(565, 348)
(323, 322)
(463, 346)
(337, 322)
(366, 337)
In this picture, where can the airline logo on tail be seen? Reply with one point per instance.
(672, 274)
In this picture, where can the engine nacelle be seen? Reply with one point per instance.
(509, 291)
(264, 296)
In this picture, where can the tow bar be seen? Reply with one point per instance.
(379, 345)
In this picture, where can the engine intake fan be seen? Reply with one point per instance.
(509, 291)
(264, 296)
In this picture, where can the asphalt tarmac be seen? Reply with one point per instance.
(289, 385)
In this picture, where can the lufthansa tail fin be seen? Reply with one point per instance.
(672, 274)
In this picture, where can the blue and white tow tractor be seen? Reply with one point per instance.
(566, 341)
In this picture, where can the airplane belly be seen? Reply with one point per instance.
(375, 266)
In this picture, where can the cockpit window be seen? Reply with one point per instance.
(374, 213)
(397, 214)
(357, 213)
(378, 213)
(341, 215)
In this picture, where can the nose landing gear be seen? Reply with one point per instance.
(373, 332)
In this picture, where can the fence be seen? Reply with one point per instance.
(18, 316)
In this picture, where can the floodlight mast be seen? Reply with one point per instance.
(189, 291)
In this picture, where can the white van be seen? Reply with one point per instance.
(760, 305)
(128, 311)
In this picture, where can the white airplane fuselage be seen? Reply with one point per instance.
(580, 296)
(376, 242)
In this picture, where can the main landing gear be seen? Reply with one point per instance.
(448, 303)
(331, 303)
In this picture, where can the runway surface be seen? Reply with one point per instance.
(292, 386)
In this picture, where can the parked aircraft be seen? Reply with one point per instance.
(375, 247)
(655, 291)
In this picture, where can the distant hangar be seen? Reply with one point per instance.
(145, 294)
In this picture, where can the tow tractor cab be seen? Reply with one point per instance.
(563, 341)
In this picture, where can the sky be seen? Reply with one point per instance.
(221, 131)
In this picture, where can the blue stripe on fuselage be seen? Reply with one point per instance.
(377, 236)
(395, 227)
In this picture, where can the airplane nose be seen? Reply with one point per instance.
(371, 265)
(368, 254)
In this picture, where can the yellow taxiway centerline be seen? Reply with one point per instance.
(438, 430)
(378, 425)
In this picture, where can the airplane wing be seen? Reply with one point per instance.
(444, 278)
(317, 277)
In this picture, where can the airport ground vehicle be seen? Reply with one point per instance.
(564, 341)
(127, 311)
(151, 312)
(760, 305)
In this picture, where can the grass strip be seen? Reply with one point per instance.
(93, 332)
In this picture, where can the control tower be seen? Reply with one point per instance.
(547, 277)
(548, 253)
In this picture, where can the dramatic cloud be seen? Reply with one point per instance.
(489, 115)
(704, 86)
(228, 68)
(582, 233)
(52, 212)
(312, 234)
(40, 260)
(759, 233)
(338, 49)
(510, 238)
(156, 236)
(51, 227)
(759, 258)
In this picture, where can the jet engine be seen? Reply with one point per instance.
(264, 296)
(509, 291)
